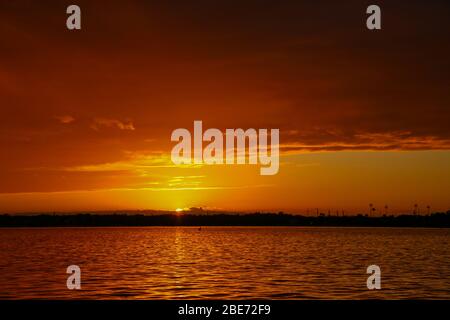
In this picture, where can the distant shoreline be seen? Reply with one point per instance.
(435, 220)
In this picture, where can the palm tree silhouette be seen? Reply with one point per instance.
(415, 208)
(370, 208)
(386, 209)
(428, 209)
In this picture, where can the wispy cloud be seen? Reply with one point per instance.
(387, 141)
(135, 162)
(65, 119)
(112, 123)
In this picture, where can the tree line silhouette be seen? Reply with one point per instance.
(437, 220)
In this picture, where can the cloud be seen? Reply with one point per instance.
(65, 119)
(112, 123)
(134, 162)
(367, 141)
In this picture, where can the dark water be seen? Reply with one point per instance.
(224, 263)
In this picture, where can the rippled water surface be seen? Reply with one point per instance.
(224, 263)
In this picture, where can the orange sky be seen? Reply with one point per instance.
(87, 115)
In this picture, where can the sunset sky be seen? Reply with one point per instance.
(86, 116)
